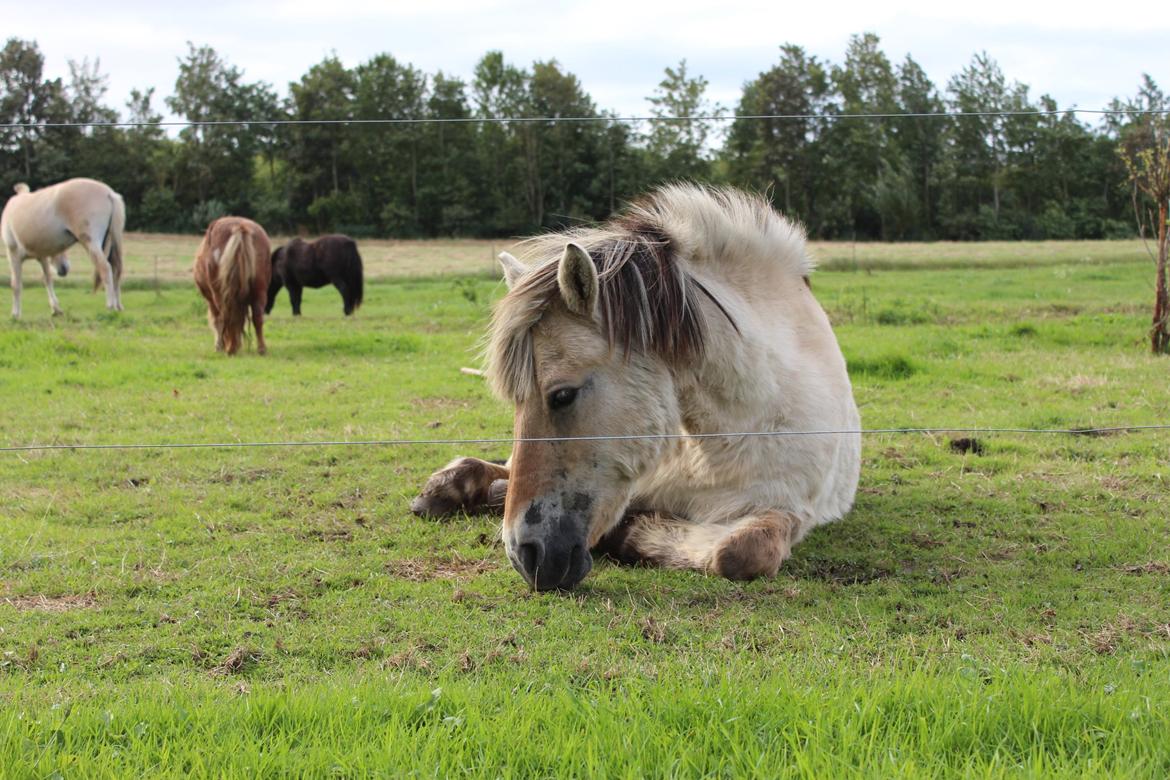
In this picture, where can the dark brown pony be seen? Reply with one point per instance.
(232, 270)
(328, 260)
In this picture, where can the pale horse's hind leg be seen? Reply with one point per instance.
(46, 268)
(740, 549)
(258, 326)
(104, 270)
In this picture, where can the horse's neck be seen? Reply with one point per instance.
(733, 382)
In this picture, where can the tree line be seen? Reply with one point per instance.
(987, 175)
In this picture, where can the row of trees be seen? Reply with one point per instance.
(983, 176)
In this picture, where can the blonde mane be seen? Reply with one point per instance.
(649, 300)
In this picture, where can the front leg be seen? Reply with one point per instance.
(274, 285)
(466, 485)
(15, 261)
(294, 297)
(741, 549)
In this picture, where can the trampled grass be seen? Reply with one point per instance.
(279, 611)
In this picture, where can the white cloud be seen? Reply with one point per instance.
(1080, 53)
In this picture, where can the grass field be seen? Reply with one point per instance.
(246, 612)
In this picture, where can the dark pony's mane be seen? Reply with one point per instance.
(648, 302)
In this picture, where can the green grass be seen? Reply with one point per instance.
(279, 611)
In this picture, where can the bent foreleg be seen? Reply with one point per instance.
(466, 485)
(741, 549)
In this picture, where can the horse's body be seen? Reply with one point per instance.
(232, 270)
(328, 260)
(691, 314)
(43, 224)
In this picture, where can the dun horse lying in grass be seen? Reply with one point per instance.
(43, 224)
(232, 270)
(691, 314)
(328, 260)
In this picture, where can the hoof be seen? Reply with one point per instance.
(756, 550)
(432, 507)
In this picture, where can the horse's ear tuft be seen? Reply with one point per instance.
(513, 269)
(577, 280)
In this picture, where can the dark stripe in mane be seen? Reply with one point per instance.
(648, 302)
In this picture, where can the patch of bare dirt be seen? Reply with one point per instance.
(237, 661)
(442, 402)
(925, 541)
(42, 603)
(652, 630)
(427, 569)
(845, 572)
(1152, 567)
(1105, 639)
(334, 534)
(243, 476)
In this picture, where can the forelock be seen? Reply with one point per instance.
(647, 301)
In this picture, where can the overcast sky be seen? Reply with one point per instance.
(1082, 54)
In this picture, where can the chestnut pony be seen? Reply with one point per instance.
(232, 270)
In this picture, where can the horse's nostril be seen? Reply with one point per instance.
(580, 562)
(530, 554)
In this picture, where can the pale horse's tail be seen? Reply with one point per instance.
(237, 270)
(112, 245)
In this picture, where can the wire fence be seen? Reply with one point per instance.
(1104, 431)
(598, 118)
(721, 117)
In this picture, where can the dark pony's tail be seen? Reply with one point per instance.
(237, 269)
(352, 276)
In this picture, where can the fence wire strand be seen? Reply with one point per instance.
(585, 119)
(559, 439)
(598, 438)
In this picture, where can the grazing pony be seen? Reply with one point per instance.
(328, 260)
(232, 269)
(43, 224)
(690, 314)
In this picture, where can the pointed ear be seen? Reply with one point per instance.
(577, 279)
(513, 269)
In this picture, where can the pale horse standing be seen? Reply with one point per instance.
(688, 317)
(43, 224)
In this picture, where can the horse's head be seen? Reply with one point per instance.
(61, 262)
(581, 354)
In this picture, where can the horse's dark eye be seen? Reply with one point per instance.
(559, 399)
